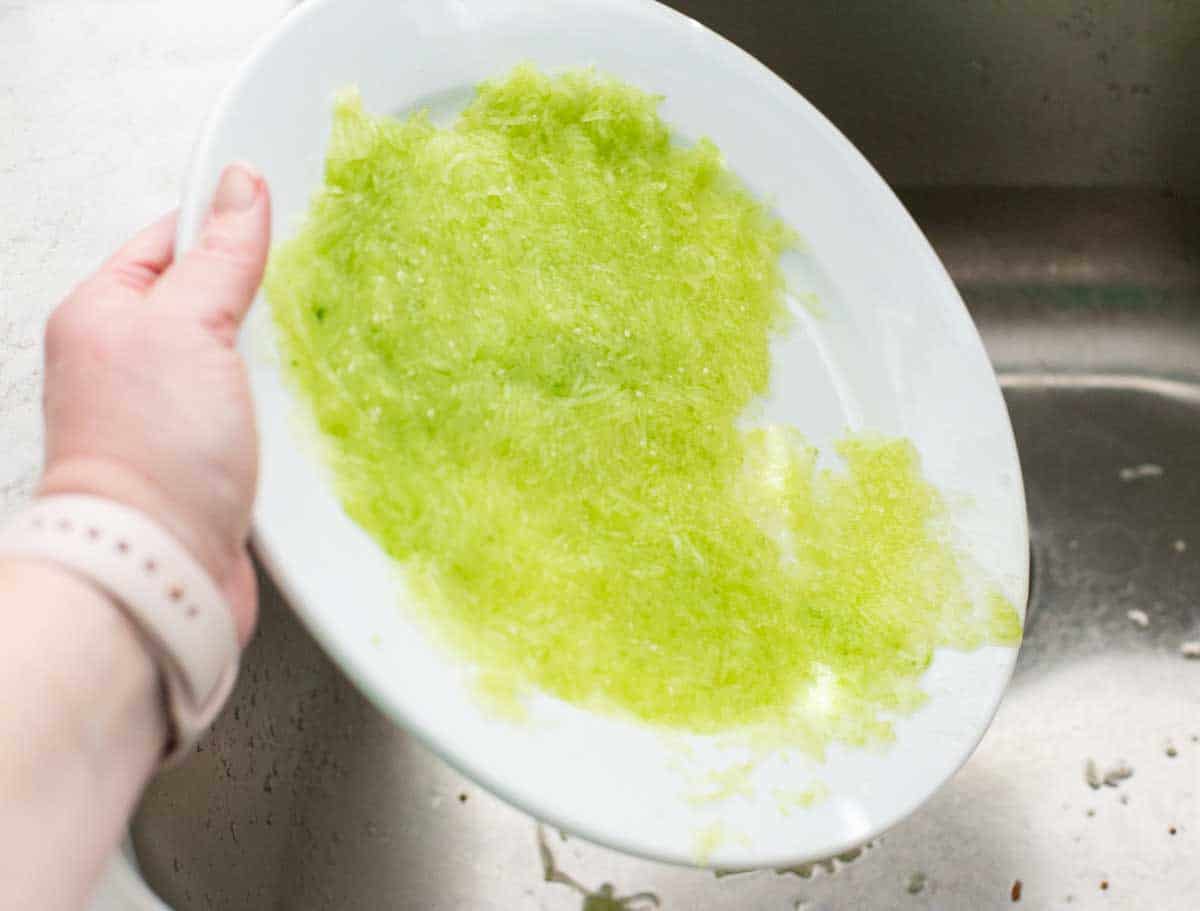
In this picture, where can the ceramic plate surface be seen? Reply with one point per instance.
(896, 353)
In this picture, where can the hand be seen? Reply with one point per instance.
(146, 398)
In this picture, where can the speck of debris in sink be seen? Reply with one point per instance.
(462, 798)
(1091, 812)
(1104, 885)
(1180, 545)
(1091, 775)
(1145, 470)
(1172, 830)
(1171, 751)
(1118, 773)
(1015, 892)
(1125, 800)
(1190, 649)
(1140, 617)
(916, 883)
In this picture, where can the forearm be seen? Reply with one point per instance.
(81, 730)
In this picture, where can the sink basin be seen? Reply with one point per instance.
(1087, 293)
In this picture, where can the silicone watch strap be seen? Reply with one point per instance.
(164, 590)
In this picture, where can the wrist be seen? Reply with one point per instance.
(100, 477)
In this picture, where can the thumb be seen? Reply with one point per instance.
(216, 280)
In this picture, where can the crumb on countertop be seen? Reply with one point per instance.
(1140, 617)
(1118, 773)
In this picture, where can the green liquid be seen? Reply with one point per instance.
(527, 339)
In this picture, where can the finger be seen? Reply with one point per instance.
(217, 279)
(136, 266)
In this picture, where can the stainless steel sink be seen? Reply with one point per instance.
(1087, 293)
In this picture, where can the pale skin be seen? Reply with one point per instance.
(147, 404)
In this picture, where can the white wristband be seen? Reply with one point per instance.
(166, 593)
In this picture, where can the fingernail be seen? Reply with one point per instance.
(237, 190)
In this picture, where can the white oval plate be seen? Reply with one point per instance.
(897, 353)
